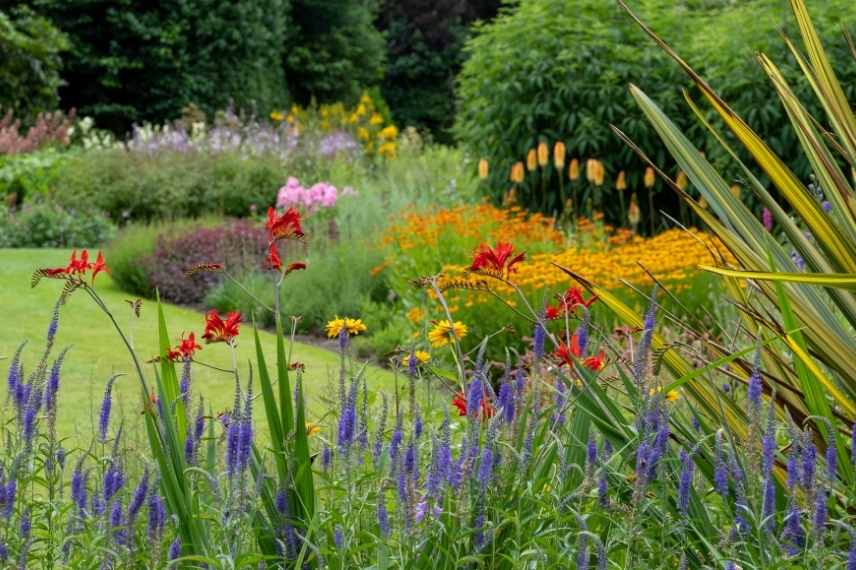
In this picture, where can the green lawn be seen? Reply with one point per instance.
(97, 352)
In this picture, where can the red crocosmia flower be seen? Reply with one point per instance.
(499, 259)
(552, 313)
(78, 266)
(218, 330)
(285, 225)
(595, 363)
(99, 266)
(573, 298)
(460, 402)
(564, 355)
(185, 349)
(273, 260)
(296, 266)
(568, 351)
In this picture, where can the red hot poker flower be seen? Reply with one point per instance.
(185, 349)
(218, 330)
(499, 260)
(284, 226)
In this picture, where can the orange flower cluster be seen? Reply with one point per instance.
(481, 222)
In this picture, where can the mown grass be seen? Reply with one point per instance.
(96, 351)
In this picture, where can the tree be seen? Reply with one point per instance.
(29, 64)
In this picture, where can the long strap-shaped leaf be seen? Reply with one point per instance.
(838, 280)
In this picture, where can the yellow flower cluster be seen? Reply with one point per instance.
(481, 222)
(672, 256)
(351, 326)
(364, 121)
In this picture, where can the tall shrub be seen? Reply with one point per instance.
(546, 70)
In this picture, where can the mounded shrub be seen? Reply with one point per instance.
(238, 245)
(41, 224)
(548, 71)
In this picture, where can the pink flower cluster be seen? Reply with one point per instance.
(318, 196)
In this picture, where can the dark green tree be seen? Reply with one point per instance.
(30, 48)
(132, 60)
(333, 50)
(424, 42)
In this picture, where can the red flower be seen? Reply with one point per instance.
(217, 330)
(595, 363)
(552, 313)
(566, 353)
(273, 260)
(568, 302)
(285, 225)
(573, 298)
(499, 260)
(99, 266)
(296, 266)
(78, 266)
(460, 402)
(185, 349)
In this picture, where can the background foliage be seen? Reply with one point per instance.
(424, 43)
(30, 66)
(133, 61)
(332, 50)
(570, 82)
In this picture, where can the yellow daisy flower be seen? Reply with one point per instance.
(443, 330)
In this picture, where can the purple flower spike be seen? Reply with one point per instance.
(106, 405)
(475, 395)
(821, 514)
(720, 474)
(382, 515)
(505, 402)
(809, 466)
(174, 549)
(685, 483)
(793, 533)
(538, 337)
(831, 459)
(139, 495)
(116, 514)
(245, 441)
(157, 516)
